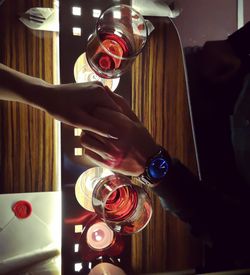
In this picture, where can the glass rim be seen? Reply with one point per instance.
(106, 50)
(111, 223)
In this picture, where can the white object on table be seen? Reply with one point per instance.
(36, 238)
(154, 8)
(51, 266)
(50, 23)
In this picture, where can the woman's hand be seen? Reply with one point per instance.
(76, 105)
(129, 152)
(73, 104)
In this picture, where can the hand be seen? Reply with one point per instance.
(76, 104)
(73, 104)
(129, 152)
(218, 61)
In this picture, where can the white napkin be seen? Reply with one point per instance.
(51, 22)
(35, 238)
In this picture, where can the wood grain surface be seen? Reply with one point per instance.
(159, 98)
(26, 134)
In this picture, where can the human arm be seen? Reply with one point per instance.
(73, 104)
(128, 153)
(207, 210)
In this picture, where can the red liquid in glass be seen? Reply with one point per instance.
(126, 208)
(107, 56)
(121, 204)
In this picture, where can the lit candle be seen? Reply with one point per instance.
(106, 269)
(99, 236)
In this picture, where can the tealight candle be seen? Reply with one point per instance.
(106, 269)
(99, 236)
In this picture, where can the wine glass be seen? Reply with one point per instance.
(120, 35)
(125, 207)
(83, 73)
(85, 185)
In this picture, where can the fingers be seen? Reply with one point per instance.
(98, 96)
(118, 120)
(108, 101)
(123, 104)
(102, 150)
(98, 160)
(93, 124)
(96, 144)
(122, 125)
(101, 128)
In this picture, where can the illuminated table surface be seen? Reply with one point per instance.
(156, 88)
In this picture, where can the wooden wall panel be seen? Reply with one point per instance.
(159, 98)
(26, 134)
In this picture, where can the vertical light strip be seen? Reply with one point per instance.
(57, 124)
(57, 129)
(57, 150)
(240, 13)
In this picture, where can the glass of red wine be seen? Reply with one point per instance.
(125, 207)
(120, 35)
